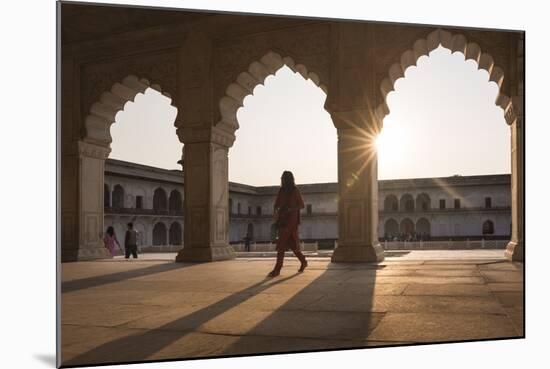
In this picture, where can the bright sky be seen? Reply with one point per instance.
(144, 132)
(443, 121)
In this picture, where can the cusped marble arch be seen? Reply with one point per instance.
(256, 74)
(456, 42)
(103, 112)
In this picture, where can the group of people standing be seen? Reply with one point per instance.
(130, 241)
(412, 237)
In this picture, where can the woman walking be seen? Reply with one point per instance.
(286, 212)
(110, 240)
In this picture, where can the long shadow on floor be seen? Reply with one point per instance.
(139, 347)
(333, 311)
(80, 284)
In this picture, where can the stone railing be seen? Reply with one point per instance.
(446, 210)
(444, 245)
(134, 211)
(264, 247)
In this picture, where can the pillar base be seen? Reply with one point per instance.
(514, 251)
(85, 253)
(205, 254)
(358, 254)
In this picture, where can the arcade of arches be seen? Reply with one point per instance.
(208, 64)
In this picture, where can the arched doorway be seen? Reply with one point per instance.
(175, 202)
(83, 222)
(250, 230)
(407, 228)
(406, 203)
(391, 203)
(423, 202)
(358, 238)
(175, 234)
(159, 234)
(159, 200)
(423, 228)
(118, 197)
(488, 227)
(510, 100)
(391, 229)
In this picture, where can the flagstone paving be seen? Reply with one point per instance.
(152, 308)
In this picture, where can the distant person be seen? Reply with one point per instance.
(286, 212)
(110, 240)
(130, 241)
(247, 243)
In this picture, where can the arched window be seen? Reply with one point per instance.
(159, 234)
(390, 203)
(391, 228)
(175, 203)
(488, 227)
(423, 227)
(118, 197)
(106, 196)
(159, 199)
(250, 230)
(423, 202)
(406, 203)
(175, 234)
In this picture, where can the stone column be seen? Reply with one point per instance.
(90, 200)
(206, 215)
(515, 248)
(357, 191)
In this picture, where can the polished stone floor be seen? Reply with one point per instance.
(150, 308)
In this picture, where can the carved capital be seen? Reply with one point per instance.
(357, 119)
(219, 135)
(90, 150)
(306, 47)
(158, 69)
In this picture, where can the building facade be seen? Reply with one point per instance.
(452, 208)
(150, 198)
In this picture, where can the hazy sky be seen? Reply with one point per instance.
(144, 132)
(443, 121)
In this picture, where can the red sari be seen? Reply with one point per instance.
(288, 230)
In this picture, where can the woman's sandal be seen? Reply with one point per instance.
(302, 267)
(274, 273)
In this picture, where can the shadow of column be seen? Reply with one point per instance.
(342, 317)
(80, 284)
(139, 347)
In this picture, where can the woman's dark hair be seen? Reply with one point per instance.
(110, 231)
(287, 181)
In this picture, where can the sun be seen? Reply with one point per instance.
(391, 147)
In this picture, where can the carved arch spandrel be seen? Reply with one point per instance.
(255, 75)
(455, 43)
(154, 69)
(102, 113)
(305, 44)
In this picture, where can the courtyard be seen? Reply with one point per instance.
(153, 309)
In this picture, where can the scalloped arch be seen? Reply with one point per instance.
(457, 42)
(256, 74)
(103, 112)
